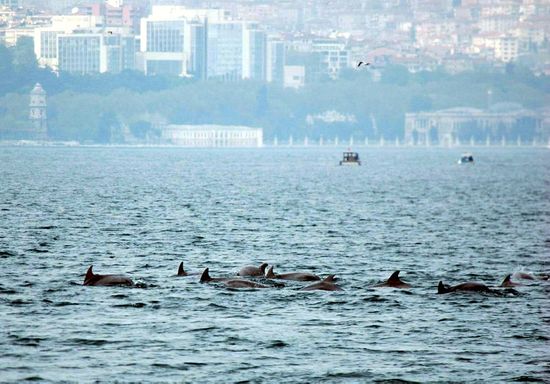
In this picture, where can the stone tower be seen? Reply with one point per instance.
(37, 112)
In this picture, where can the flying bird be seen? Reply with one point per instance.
(362, 63)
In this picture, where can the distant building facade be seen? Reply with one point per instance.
(212, 135)
(80, 53)
(502, 123)
(78, 44)
(85, 53)
(11, 3)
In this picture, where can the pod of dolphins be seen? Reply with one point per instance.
(326, 284)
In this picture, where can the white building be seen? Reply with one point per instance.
(174, 40)
(162, 45)
(202, 43)
(212, 135)
(294, 76)
(45, 38)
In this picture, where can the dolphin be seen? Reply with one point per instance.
(239, 283)
(296, 276)
(394, 282)
(529, 276)
(181, 271)
(507, 282)
(253, 271)
(205, 278)
(523, 275)
(469, 287)
(327, 284)
(105, 280)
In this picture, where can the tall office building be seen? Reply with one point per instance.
(45, 46)
(254, 53)
(162, 47)
(45, 38)
(275, 61)
(120, 52)
(81, 53)
(88, 52)
(195, 48)
(225, 50)
(173, 40)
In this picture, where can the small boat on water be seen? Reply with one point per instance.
(350, 158)
(466, 158)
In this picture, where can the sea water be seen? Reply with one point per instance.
(141, 211)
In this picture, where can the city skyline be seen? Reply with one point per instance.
(287, 67)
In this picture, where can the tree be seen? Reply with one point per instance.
(396, 74)
(24, 59)
(140, 128)
(108, 127)
(262, 103)
(420, 103)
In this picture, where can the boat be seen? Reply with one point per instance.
(350, 158)
(466, 158)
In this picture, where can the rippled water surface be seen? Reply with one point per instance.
(140, 212)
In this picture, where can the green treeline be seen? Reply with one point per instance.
(95, 108)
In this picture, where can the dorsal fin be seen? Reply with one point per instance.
(270, 273)
(205, 277)
(181, 271)
(329, 279)
(506, 281)
(394, 278)
(89, 274)
(441, 288)
(263, 267)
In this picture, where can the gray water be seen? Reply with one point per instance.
(140, 212)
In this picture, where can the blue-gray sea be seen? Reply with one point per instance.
(141, 211)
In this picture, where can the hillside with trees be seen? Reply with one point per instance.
(97, 108)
